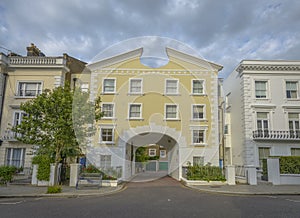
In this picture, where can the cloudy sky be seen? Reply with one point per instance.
(221, 31)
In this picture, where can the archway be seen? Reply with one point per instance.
(170, 139)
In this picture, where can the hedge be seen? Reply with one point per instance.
(206, 173)
(289, 165)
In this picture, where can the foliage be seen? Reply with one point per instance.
(91, 169)
(109, 174)
(141, 155)
(154, 158)
(43, 161)
(289, 165)
(58, 122)
(6, 173)
(206, 173)
(54, 189)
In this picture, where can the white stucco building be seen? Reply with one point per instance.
(262, 111)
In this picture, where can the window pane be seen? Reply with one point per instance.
(198, 136)
(135, 86)
(262, 115)
(260, 89)
(295, 151)
(198, 112)
(107, 110)
(293, 116)
(171, 86)
(171, 111)
(197, 87)
(135, 111)
(198, 161)
(107, 135)
(109, 85)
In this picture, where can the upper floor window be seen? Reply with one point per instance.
(291, 89)
(135, 86)
(294, 125)
(107, 135)
(108, 110)
(171, 111)
(198, 112)
(260, 89)
(171, 87)
(152, 152)
(18, 117)
(135, 111)
(197, 87)
(109, 85)
(198, 136)
(262, 124)
(29, 89)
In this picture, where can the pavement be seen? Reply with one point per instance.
(263, 188)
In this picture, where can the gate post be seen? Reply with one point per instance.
(74, 173)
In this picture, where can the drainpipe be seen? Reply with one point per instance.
(3, 95)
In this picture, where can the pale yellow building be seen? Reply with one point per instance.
(25, 78)
(174, 106)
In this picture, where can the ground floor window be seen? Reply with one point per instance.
(15, 157)
(295, 151)
(163, 153)
(105, 161)
(198, 160)
(263, 153)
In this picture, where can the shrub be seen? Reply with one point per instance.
(54, 189)
(91, 169)
(289, 165)
(206, 173)
(44, 162)
(6, 173)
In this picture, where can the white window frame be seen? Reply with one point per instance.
(84, 86)
(203, 87)
(130, 86)
(204, 111)
(113, 110)
(297, 89)
(21, 115)
(152, 150)
(103, 85)
(295, 150)
(200, 160)
(199, 128)
(9, 160)
(162, 153)
(141, 110)
(267, 89)
(260, 159)
(177, 87)
(177, 112)
(38, 90)
(113, 134)
(105, 164)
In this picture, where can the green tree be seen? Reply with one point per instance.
(141, 155)
(58, 122)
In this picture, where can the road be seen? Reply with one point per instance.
(162, 198)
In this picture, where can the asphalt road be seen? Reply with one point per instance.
(162, 198)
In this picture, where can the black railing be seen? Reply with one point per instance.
(276, 134)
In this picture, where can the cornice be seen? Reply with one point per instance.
(268, 66)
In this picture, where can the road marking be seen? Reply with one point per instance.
(11, 203)
(295, 201)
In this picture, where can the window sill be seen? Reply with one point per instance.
(197, 120)
(135, 94)
(135, 119)
(109, 93)
(171, 94)
(109, 118)
(24, 97)
(199, 144)
(192, 94)
(172, 119)
(106, 143)
(292, 99)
